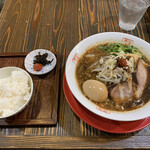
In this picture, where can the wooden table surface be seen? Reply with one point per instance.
(59, 25)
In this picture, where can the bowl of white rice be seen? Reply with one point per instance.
(16, 88)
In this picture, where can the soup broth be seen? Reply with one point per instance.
(86, 70)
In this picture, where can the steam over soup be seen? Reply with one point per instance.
(114, 76)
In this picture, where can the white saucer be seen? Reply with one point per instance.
(47, 68)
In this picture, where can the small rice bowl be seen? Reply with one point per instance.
(15, 92)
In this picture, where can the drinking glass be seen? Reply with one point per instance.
(131, 12)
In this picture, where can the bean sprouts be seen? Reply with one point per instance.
(110, 72)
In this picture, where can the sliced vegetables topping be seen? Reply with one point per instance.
(120, 48)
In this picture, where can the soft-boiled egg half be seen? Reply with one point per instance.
(95, 90)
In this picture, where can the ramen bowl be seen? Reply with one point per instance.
(80, 49)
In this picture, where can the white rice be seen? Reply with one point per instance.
(14, 92)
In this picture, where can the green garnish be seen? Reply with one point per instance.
(100, 47)
(118, 47)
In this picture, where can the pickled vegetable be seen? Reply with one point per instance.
(42, 59)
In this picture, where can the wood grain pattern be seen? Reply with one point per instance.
(58, 25)
(48, 142)
(7, 55)
(42, 109)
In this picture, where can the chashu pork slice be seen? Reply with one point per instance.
(140, 79)
(122, 92)
(135, 87)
